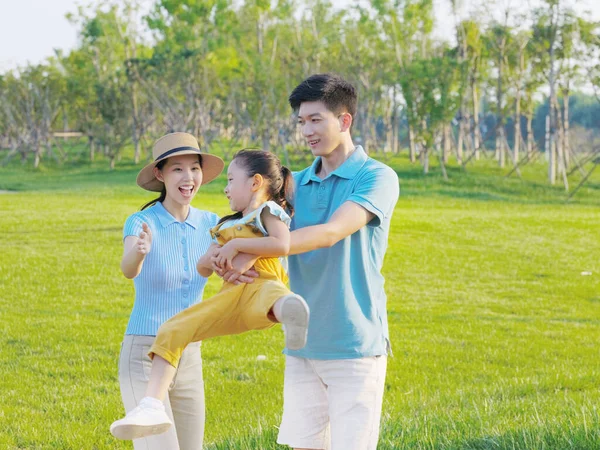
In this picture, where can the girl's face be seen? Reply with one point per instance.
(182, 176)
(240, 187)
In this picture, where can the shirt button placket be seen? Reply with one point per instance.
(321, 194)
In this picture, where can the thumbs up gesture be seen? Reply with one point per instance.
(144, 242)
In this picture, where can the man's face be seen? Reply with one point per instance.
(320, 127)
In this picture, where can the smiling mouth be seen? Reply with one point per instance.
(314, 142)
(186, 191)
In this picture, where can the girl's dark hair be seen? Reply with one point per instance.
(266, 164)
(163, 193)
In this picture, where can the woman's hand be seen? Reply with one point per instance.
(144, 242)
(135, 249)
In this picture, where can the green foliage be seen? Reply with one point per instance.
(223, 70)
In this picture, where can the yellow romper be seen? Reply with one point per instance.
(235, 308)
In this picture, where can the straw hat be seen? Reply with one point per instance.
(175, 144)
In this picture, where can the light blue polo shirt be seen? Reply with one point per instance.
(343, 285)
(168, 282)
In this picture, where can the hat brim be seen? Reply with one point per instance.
(212, 166)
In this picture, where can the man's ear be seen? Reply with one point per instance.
(257, 182)
(158, 174)
(346, 121)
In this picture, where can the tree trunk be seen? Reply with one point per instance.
(138, 150)
(135, 123)
(266, 141)
(92, 147)
(530, 130)
(395, 146)
(411, 144)
(475, 130)
(552, 124)
(500, 153)
(566, 119)
(424, 155)
(560, 147)
(447, 142)
(500, 140)
(37, 156)
(517, 137)
(459, 142)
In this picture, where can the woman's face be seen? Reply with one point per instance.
(182, 176)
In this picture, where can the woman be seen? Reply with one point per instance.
(162, 244)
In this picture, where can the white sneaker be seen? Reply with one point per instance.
(147, 419)
(294, 315)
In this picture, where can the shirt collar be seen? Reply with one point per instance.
(348, 169)
(165, 218)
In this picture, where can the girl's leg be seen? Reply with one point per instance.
(161, 377)
(292, 312)
(134, 372)
(271, 299)
(219, 315)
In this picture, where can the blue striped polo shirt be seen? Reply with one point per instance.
(168, 282)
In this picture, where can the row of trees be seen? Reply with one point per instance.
(223, 70)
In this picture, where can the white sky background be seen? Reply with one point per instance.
(30, 30)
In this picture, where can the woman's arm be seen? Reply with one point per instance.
(205, 265)
(135, 249)
(276, 244)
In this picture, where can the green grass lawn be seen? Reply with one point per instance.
(495, 328)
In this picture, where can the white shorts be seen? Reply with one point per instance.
(332, 404)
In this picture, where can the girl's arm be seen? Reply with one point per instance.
(135, 249)
(275, 245)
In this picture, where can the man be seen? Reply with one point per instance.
(344, 201)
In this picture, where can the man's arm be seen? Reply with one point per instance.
(347, 219)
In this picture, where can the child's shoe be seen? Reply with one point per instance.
(294, 315)
(147, 419)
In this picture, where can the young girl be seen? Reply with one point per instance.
(160, 245)
(258, 189)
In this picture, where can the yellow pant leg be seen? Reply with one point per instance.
(258, 299)
(234, 310)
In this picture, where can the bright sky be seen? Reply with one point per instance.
(30, 30)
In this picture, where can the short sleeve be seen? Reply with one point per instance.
(274, 209)
(133, 225)
(213, 220)
(277, 211)
(377, 191)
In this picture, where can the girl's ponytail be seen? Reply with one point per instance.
(286, 192)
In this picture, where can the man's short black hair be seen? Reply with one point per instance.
(337, 94)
